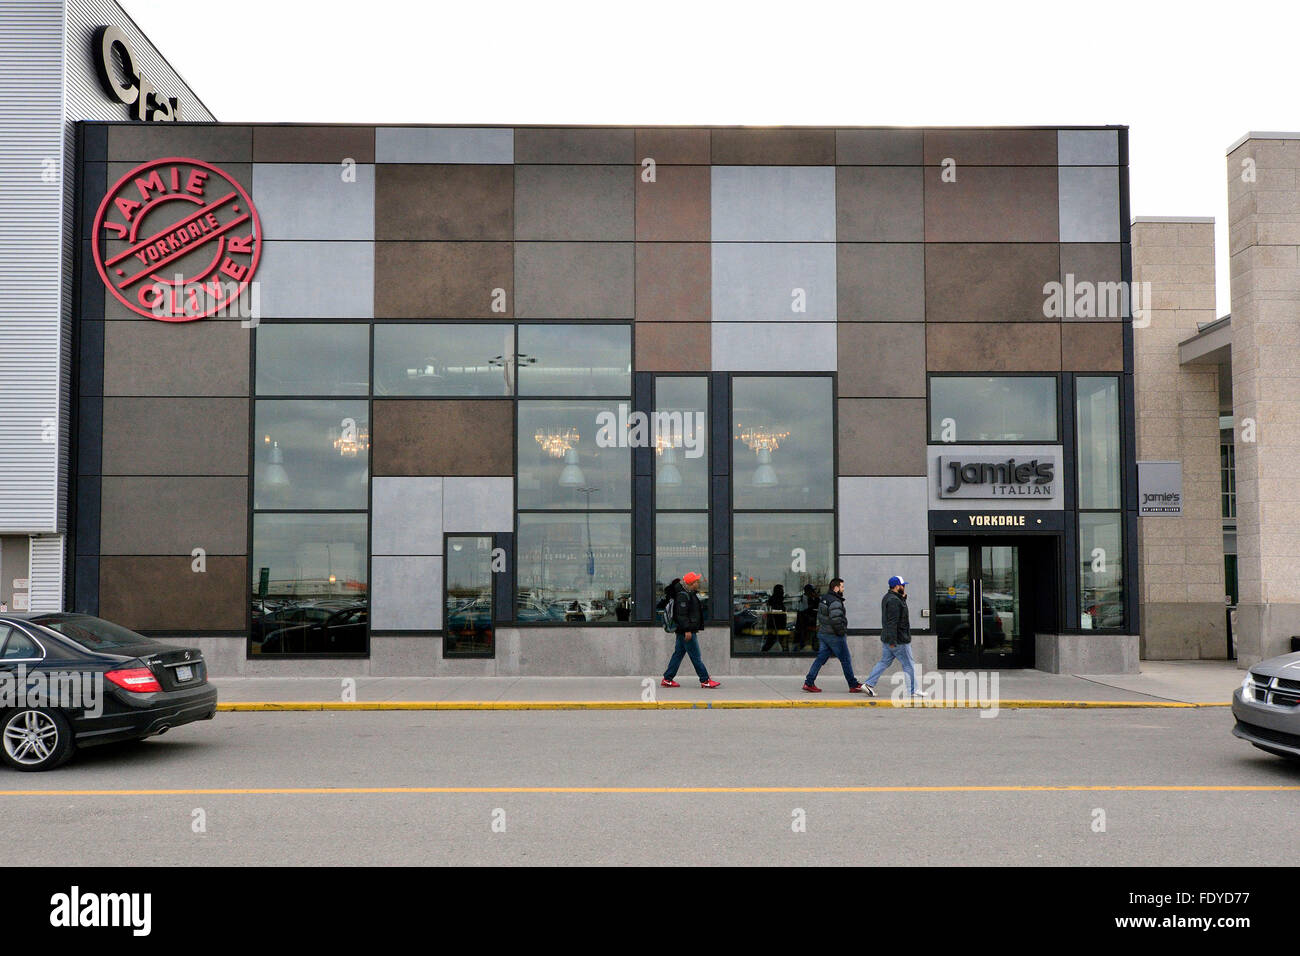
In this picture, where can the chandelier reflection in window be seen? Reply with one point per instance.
(350, 439)
(556, 441)
(763, 441)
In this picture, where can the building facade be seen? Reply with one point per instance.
(420, 400)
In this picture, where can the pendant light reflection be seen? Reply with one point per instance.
(669, 476)
(571, 475)
(764, 474)
(276, 476)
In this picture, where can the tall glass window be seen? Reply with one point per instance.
(679, 436)
(681, 443)
(573, 481)
(1005, 408)
(783, 526)
(311, 474)
(467, 615)
(1097, 415)
(1101, 521)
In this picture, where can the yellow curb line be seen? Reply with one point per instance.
(351, 791)
(271, 706)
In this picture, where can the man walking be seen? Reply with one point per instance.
(896, 636)
(688, 615)
(832, 631)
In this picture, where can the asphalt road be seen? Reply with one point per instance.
(867, 748)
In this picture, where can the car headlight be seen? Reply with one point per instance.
(1247, 688)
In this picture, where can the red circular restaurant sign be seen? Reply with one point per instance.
(177, 240)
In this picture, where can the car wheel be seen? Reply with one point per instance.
(33, 739)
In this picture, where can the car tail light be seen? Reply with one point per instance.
(138, 680)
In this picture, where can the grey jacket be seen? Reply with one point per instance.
(894, 625)
(831, 617)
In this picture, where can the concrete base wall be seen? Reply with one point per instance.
(1265, 630)
(1184, 632)
(547, 652)
(1087, 653)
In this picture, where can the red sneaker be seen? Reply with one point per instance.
(706, 684)
(669, 683)
(812, 688)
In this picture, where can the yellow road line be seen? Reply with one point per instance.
(355, 791)
(317, 705)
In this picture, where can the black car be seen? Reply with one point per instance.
(72, 680)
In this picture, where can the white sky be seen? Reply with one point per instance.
(1188, 77)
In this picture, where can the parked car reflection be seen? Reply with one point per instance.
(314, 627)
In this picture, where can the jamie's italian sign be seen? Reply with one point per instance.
(177, 240)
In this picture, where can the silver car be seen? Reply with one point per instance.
(1267, 706)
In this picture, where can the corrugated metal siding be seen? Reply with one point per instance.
(31, 249)
(47, 573)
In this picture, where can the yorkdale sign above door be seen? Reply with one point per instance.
(1014, 477)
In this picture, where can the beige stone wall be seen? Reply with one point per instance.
(1264, 242)
(1177, 418)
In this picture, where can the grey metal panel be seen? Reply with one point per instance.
(756, 282)
(866, 577)
(476, 504)
(774, 346)
(406, 593)
(883, 516)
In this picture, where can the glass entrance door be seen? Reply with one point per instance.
(979, 608)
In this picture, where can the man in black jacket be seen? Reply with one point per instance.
(688, 615)
(896, 636)
(832, 632)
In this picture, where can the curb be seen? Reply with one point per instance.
(295, 706)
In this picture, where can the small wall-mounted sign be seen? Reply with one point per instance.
(996, 522)
(22, 584)
(22, 602)
(1160, 489)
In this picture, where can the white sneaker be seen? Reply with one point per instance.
(920, 694)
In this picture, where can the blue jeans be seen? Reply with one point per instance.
(683, 648)
(838, 646)
(891, 652)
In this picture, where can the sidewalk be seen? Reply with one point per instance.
(1161, 684)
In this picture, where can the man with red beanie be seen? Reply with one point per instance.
(688, 615)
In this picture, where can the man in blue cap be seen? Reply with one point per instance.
(896, 636)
